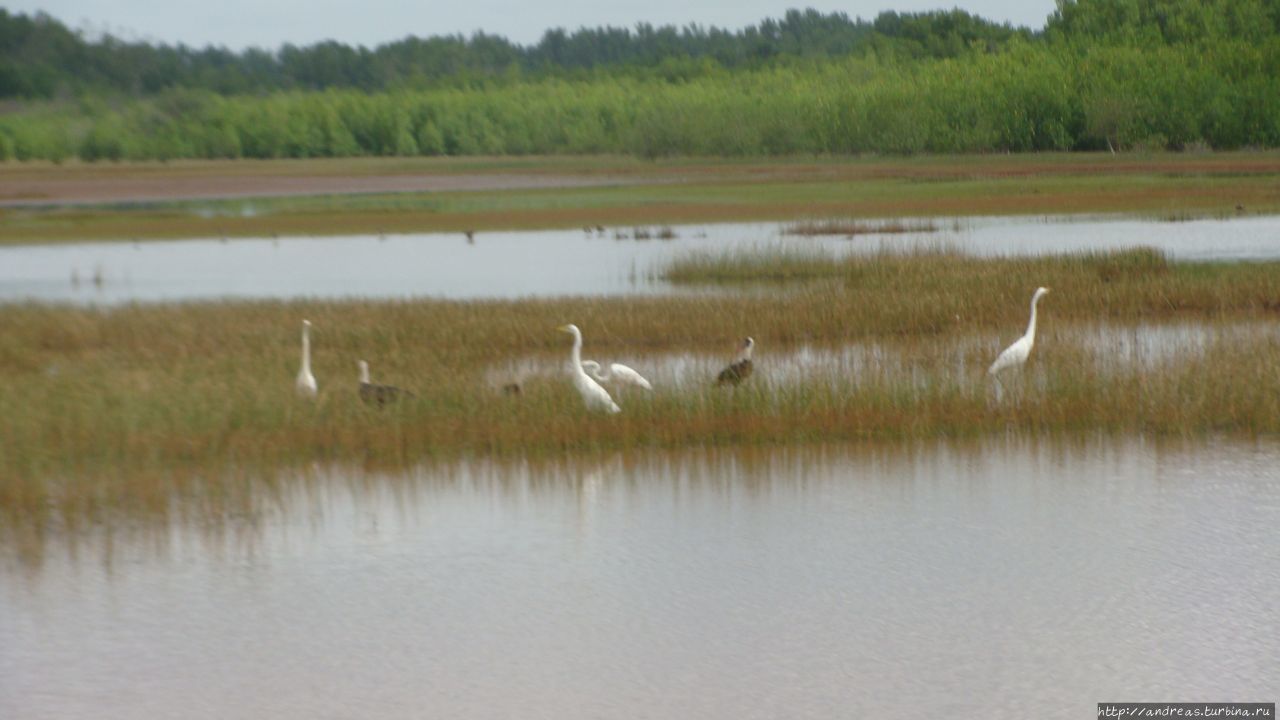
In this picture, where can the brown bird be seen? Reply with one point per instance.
(380, 394)
(740, 369)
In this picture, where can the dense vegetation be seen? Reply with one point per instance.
(137, 409)
(40, 57)
(1103, 73)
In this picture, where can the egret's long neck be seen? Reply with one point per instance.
(575, 355)
(306, 349)
(1031, 325)
(364, 374)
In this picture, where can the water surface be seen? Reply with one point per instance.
(999, 580)
(538, 263)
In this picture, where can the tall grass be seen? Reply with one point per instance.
(133, 408)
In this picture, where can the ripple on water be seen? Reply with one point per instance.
(758, 582)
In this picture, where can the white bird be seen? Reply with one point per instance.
(595, 396)
(306, 382)
(1015, 356)
(618, 374)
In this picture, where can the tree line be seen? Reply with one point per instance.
(1102, 73)
(40, 57)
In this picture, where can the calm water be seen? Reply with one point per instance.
(520, 264)
(1012, 579)
(955, 358)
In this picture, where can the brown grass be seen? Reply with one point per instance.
(497, 194)
(855, 227)
(103, 412)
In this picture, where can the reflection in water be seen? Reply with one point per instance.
(829, 582)
(918, 362)
(539, 263)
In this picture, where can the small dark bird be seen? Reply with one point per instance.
(512, 389)
(740, 369)
(380, 394)
(471, 237)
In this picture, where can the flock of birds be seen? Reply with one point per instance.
(589, 377)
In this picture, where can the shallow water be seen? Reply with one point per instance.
(960, 358)
(1008, 579)
(536, 263)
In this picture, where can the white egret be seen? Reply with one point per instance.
(306, 382)
(595, 396)
(1015, 356)
(741, 367)
(380, 394)
(618, 374)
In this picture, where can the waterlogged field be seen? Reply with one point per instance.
(77, 202)
(124, 410)
(864, 513)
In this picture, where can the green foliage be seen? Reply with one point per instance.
(1118, 74)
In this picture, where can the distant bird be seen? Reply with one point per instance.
(1015, 356)
(380, 394)
(618, 374)
(471, 237)
(306, 382)
(740, 369)
(595, 396)
(512, 388)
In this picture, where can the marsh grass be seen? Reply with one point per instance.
(178, 408)
(633, 193)
(851, 228)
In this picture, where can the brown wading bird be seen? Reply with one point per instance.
(380, 394)
(740, 368)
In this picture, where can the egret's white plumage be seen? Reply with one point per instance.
(1015, 356)
(306, 382)
(593, 394)
(617, 374)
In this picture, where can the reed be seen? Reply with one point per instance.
(148, 408)
(859, 227)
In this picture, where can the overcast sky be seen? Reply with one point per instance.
(270, 23)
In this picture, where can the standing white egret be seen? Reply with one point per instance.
(741, 367)
(618, 374)
(306, 382)
(371, 392)
(595, 396)
(1015, 356)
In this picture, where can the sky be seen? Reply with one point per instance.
(238, 24)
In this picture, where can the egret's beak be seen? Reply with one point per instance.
(565, 329)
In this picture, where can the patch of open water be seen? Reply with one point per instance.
(997, 579)
(537, 263)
